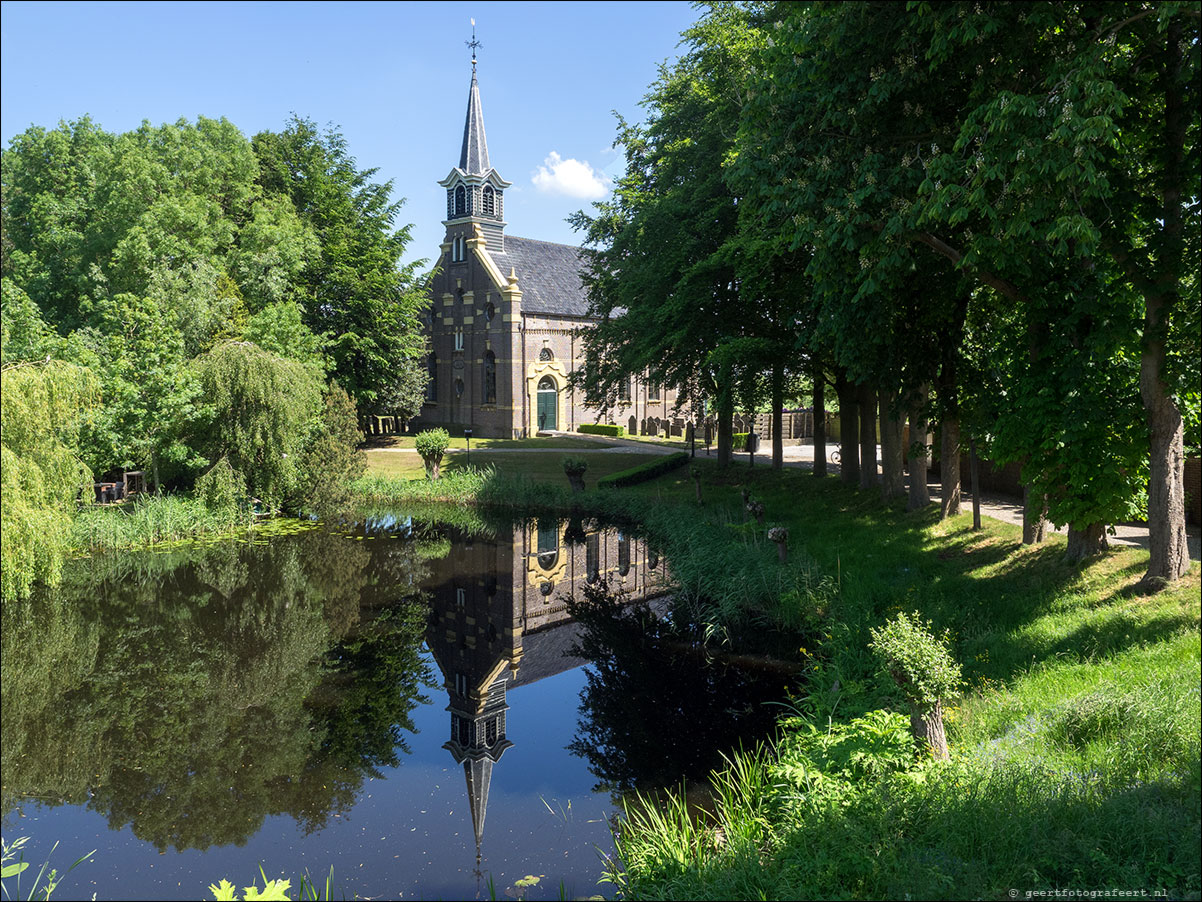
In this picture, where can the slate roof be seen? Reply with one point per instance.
(548, 275)
(546, 653)
(473, 157)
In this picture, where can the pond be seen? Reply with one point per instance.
(399, 701)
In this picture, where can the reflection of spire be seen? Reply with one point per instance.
(477, 742)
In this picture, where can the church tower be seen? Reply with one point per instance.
(475, 191)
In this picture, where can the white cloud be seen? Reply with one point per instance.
(575, 178)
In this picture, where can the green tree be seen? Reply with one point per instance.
(151, 396)
(355, 287)
(1087, 143)
(41, 407)
(264, 411)
(662, 272)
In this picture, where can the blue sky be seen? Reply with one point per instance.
(393, 76)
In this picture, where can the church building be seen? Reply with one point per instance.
(505, 317)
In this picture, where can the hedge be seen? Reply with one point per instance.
(643, 472)
(602, 429)
(738, 441)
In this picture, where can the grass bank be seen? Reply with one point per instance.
(1075, 746)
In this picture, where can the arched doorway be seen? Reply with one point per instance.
(548, 404)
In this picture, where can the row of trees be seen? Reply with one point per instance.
(203, 307)
(984, 218)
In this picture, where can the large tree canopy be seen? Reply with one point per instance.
(214, 297)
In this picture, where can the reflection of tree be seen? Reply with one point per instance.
(653, 712)
(192, 694)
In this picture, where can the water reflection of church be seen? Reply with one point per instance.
(499, 621)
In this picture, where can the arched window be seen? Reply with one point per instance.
(458, 388)
(624, 390)
(548, 543)
(623, 554)
(460, 201)
(490, 378)
(592, 558)
(432, 380)
(546, 354)
(490, 206)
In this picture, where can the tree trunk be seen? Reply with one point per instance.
(974, 469)
(1035, 518)
(1086, 541)
(1169, 559)
(819, 421)
(576, 481)
(849, 449)
(893, 475)
(949, 467)
(949, 407)
(927, 728)
(434, 467)
(919, 453)
(868, 474)
(778, 405)
(726, 416)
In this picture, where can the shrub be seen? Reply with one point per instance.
(923, 669)
(602, 429)
(920, 664)
(738, 441)
(644, 472)
(431, 445)
(575, 466)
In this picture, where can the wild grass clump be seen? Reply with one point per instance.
(151, 519)
(454, 487)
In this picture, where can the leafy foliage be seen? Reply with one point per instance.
(644, 472)
(264, 408)
(42, 407)
(919, 663)
(355, 289)
(431, 444)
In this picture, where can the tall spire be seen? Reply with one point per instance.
(473, 159)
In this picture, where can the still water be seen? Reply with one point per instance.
(401, 702)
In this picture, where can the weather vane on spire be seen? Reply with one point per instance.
(473, 43)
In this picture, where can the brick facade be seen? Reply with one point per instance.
(505, 317)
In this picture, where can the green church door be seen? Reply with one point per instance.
(548, 404)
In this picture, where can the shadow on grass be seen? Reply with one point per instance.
(1002, 601)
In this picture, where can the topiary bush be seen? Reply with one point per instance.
(431, 445)
(643, 472)
(602, 429)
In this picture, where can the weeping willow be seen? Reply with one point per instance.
(41, 408)
(265, 411)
